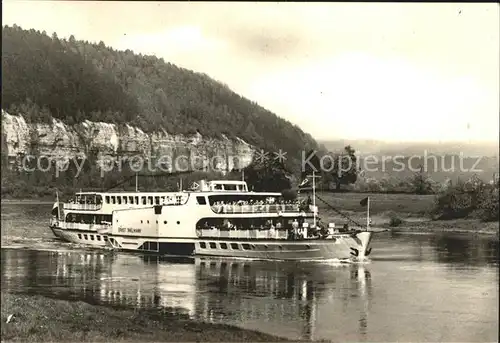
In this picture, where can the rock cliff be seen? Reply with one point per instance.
(110, 142)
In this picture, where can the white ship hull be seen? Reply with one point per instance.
(341, 246)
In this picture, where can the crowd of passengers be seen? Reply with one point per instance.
(261, 205)
(296, 229)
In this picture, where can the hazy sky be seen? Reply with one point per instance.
(382, 71)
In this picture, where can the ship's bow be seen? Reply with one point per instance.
(364, 239)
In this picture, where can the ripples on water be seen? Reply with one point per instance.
(415, 288)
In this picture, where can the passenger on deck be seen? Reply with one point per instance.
(295, 227)
(345, 228)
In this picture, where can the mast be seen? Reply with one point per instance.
(136, 183)
(368, 214)
(58, 207)
(314, 199)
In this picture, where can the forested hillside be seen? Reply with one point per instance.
(75, 80)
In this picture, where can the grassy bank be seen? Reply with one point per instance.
(41, 319)
(397, 212)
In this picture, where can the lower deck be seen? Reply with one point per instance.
(340, 246)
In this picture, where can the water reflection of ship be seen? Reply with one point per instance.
(289, 299)
(280, 290)
(134, 281)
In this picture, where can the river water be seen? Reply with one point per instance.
(433, 288)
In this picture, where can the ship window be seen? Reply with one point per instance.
(141, 221)
(157, 200)
(98, 237)
(92, 237)
(245, 246)
(143, 200)
(234, 246)
(201, 200)
(153, 246)
(229, 187)
(85, 237)
(203, 245)
(107, 199)
(165, 222)
(178, 222)
(79, 236)
(124, 200)
(218, 187)
(137, 200)
(113, 200)
(223, 245)
(147, 221)
(150, 200)
(212, 245)
(105, 238)
(119, 200)
(131, 199)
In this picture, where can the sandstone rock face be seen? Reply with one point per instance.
(110, 143)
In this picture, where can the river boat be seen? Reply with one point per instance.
(214, 218)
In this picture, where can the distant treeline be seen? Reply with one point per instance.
(75, 80)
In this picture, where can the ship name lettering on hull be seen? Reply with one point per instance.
(129, 230)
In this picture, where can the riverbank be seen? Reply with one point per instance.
(40, 319)
(405, 213)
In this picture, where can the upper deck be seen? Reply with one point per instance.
(222, 197)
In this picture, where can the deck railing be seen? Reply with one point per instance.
(248, 233)
(231, 209)
(100, 228)
(82, 207)
(275, 208)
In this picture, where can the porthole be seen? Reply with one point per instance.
(178, 222)
(212, 245)
(165, 222)
(203, 245)
(141, 222)
(147, 221)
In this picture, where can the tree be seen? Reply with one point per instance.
(422, 183)
(345, 168)
(311, 164)
(267, 175)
